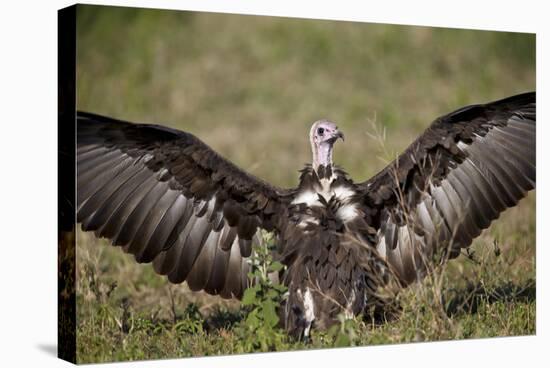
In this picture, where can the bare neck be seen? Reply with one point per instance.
(322, 155)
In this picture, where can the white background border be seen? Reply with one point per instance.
(28, 136)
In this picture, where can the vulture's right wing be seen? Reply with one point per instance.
(457, 177)
(165, 196)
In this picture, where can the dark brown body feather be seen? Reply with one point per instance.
(330, 259)
(167, 198)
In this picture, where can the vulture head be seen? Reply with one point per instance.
(322, 136)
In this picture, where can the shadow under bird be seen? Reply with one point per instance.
(168, 198)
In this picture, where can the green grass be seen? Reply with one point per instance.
(250, 87)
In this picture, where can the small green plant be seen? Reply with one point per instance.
(345, 332)
(191, 322)
(260, 330)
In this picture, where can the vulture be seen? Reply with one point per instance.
(166, 197)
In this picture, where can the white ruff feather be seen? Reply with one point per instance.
(308, 197)
(347, 212)
(343, 193)
(309, 220)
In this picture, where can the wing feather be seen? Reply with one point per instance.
(141, 247)
(168, 223)
(452, 182)
(168, 198)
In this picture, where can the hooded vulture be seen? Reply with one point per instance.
(167, 198)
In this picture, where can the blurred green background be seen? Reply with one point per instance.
(250, 87)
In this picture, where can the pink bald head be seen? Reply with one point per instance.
(322, 136)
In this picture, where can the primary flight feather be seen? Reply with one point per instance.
(168, 198)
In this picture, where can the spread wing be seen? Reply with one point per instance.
(448, 186)
(165, 196)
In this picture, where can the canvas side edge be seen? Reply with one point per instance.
(66, 186)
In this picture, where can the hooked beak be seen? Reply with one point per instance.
(337, 134)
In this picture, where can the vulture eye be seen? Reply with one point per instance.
(320, 131)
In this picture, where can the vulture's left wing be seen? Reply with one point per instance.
(165, 196)
(448, 186)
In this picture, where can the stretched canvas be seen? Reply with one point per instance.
(299, 184)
